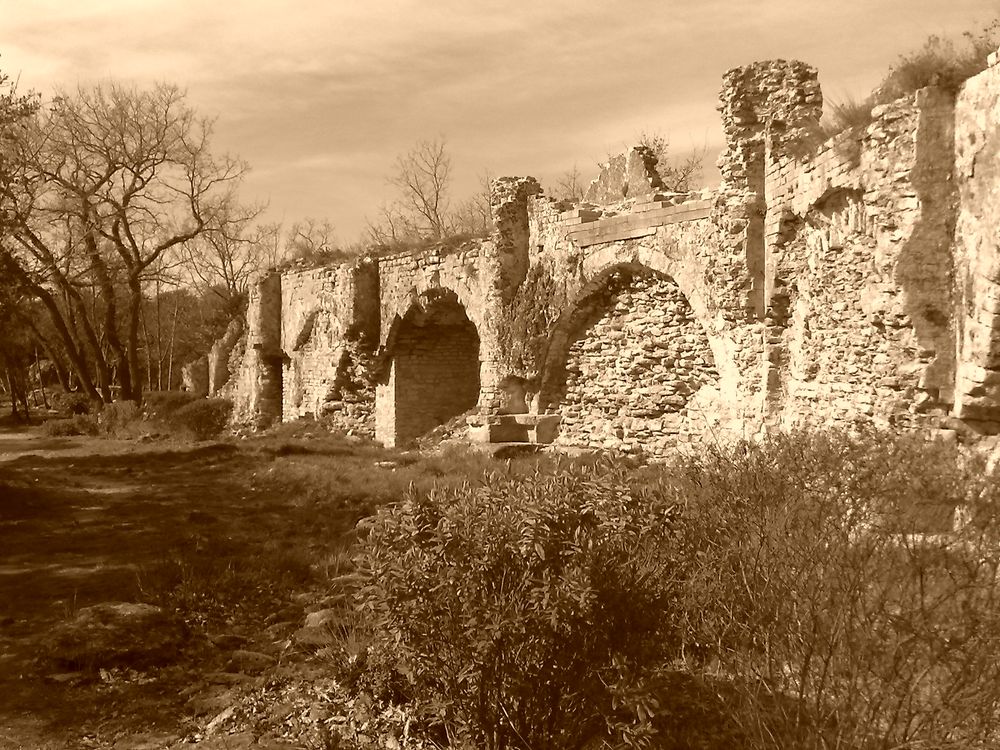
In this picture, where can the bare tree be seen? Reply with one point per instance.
(109, 182)
(311, 239)
(422, 178)
(678, 176)
(474, 216)
(226, 257)
(570, 186)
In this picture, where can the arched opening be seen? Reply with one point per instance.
(631, 367)
(432, 372)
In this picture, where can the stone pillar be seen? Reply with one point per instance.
(264, 350)
(507, 260)
(770, 111)
(509, 206)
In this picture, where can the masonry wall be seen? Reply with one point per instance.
(434, 377)
(861, 272)
(639, 373)
(977, 247)
(835, 281)
(329, 332)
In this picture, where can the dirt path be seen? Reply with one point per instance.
(85, 521)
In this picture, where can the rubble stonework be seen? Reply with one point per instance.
(852, 279)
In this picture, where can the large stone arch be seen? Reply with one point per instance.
(429, 370)
(631, 363)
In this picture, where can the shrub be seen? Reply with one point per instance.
(78, 424)
(119, 419)
(940, 62)
(524, 611)
(160, 405)
(809, 580)
(847, 113)
(71, 402)
(203, 419)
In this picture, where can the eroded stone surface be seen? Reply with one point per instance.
(840, 281)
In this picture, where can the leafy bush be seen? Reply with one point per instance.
(71, 402)
(811, 582)
(119, 419)
(160, 405)
(78, 424)
(524, 612)
(203, 419)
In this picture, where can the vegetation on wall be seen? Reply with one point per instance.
(942, 62)
(527, 325)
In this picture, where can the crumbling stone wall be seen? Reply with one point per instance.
(639, 374)
(432, 372)
(828, 281)
(309, 346)
(255, 387)
(329, 333)
(977, 247)
(224, 354)
(860, 243)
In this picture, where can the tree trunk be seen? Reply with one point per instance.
(41, 381)
(170, 346)
(149, 355)
(75, 356)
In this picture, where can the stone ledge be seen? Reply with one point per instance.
(539, 429)
(642, 224)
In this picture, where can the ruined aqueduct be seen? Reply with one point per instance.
(853, 279)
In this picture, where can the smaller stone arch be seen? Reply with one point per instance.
(428, 369)
(630, 365)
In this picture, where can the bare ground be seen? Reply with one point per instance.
(84, 521)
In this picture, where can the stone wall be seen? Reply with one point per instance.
(639, 373)
(329, 332)
(977, 247)
(828, 281)
(861, 272)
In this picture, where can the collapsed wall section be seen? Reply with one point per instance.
(329, 333)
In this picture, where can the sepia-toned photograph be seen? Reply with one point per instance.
(438, 375)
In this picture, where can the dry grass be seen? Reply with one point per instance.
(942, 62)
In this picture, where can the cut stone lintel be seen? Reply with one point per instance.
(641, 224)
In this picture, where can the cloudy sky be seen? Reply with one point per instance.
(320, 97)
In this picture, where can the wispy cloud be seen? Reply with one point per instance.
(321, 96)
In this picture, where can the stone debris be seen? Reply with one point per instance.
(118, 634)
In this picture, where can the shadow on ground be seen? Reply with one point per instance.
(82, 523)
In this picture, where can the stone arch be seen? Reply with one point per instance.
(400, 304)
(631, 365)
(429, 369)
